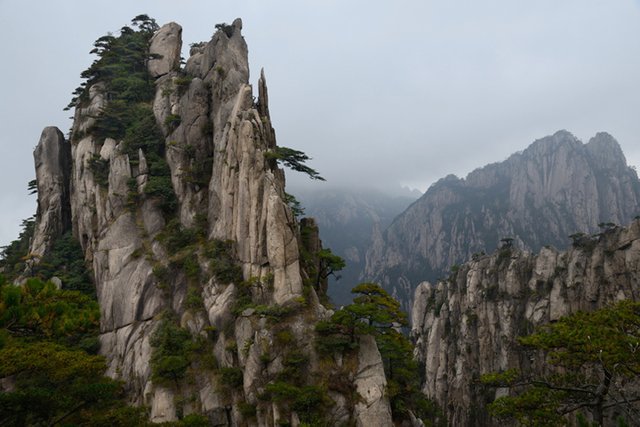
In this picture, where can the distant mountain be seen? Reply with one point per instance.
(556, 187)
(348, 220)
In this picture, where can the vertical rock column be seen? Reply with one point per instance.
(52, 159)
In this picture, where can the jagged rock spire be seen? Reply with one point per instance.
(52, 158)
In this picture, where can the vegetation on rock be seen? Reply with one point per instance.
(596, 359)
(48, 348)
(293, 159)
(375, 312)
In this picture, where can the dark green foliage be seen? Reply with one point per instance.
(194, 420)
(44, 337)
(225, 28)
(309, 402)
(504, 255)
(174, 237)
(376, 313)
(231, 377)
(199, 172)
(294, 205)
(99, 167)
(53, 383)
(194, 300)
(247, 410)
(334, 337)
(66, 261)
(596, 356)
(121, 65)
(182, 82)
(172, 350)
(39, 309)
(13, 255)
(121, 416)
(32, 186)
(294, 160)
(328, 265)
(223, 263)
(172, 121)
(161, 188)
(583, 241)
(142, 132)
(373, 311)
(275, 312)
(294, 365)
(121, 68)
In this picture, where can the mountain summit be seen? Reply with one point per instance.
(556, 187)
(209, 289)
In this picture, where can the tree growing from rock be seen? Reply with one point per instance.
(294, 160)
(375, 312)
(596, 357)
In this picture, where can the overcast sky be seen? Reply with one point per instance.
(382, 93)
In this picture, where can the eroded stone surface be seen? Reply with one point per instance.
(468, 326)
(216, 138)
(166, 43)
(552, 189)
(52, 158)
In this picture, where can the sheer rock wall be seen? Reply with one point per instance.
(216, 137)
(467, 326)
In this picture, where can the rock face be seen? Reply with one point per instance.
(231, 197)
(556, 187)
(165, 48)
(52, 158)
(467, 325)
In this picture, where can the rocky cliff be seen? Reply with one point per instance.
(556, 187)
(195, 254)
(467, 325)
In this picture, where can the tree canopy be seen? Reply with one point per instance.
(375, 312)
(596, 357)
(294, 160)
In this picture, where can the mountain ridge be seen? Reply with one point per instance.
(555, 187)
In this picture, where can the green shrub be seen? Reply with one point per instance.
(309, 402)
(194, 420)
(183, 81)
(223, 265)
(171, 350)
(99, 167)
(12, 256)
(231, 377)
(66, 261)
(175, 237)
(161, 188)
(247, 410)
(172, 121)
(331, 339)
(194, 300)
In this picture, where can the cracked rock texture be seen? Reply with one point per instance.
(467, 326)
(53, 163)
(554, 188)
(216, 137)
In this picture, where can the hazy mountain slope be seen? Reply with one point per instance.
(348, 220)
(556, 187)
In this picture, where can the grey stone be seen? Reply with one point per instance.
(52, 158)
(539, 196)
(167, 43)
(491, 301)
